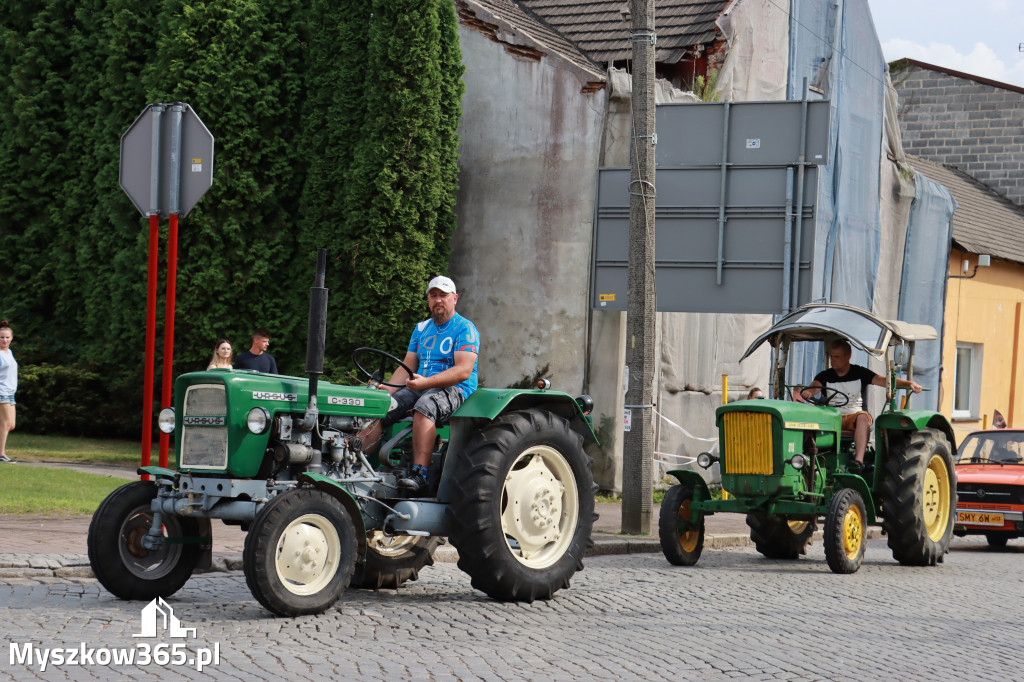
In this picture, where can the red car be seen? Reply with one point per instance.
(990, 485)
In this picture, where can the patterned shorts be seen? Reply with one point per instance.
(436, 404)
(7, 399)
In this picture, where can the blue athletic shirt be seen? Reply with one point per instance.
(435, 347)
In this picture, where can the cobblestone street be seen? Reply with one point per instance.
(628, 617)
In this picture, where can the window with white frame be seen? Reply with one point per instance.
(967, 381)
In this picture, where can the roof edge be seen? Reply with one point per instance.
(896, 63)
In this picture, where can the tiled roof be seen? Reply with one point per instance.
(601, 27)
(535, 32)
(984, 222)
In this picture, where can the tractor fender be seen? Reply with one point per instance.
(158, 472)
(914, 420)
(855, 482)
(488, 403)
(344, 497)
(701, 492)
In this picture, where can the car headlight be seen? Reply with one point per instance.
(798, 462)
(258, 421)
(165, 420)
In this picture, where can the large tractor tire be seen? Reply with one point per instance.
(300, 553)
(919, 498)
(118, 558)
(680, 530)
(844, 531)
(393, 559)
(779, 538)
(523, 506)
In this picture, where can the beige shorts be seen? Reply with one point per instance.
(850, 420)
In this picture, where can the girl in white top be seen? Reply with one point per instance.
(8, 386)
(221, 355)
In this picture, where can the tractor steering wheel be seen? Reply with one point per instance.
(378, 374)
(823, 396)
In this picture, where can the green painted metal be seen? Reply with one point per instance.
(245, 389)
(488, 403)
(157, 471)
(860, 485)
(695, 480)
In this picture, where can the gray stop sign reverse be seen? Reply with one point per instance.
(166, 160)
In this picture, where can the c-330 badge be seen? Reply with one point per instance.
(351, 402)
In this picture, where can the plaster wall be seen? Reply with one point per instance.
(530, 142)
(987, 310)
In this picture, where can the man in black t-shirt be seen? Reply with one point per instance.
(257, 357)
(853, 380)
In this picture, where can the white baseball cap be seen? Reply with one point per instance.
(443, 283)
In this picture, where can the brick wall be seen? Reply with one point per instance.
(974, 126)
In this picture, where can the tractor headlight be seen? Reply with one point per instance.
(165, 420)
(586, 403)
(705, 460)
(798, 462)
(258, 421)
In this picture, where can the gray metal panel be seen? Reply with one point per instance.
(194, 166)
(760, 133)
(686, 240)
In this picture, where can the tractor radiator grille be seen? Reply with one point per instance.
(747, 443)
(204, 431)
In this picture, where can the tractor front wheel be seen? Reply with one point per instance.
(393, 559)
(680, 529)
(919, 498)
(122, 563)
(844, 531)
(523, 506)
(779, 538)
(300, 553)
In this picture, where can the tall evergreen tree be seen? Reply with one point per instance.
(398, 204)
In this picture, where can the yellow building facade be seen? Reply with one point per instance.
(983, 353)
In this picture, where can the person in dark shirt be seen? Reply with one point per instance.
(853, 380)
(257, 357)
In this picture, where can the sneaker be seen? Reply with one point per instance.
(414, 484)
(855, 467)
(5, 458)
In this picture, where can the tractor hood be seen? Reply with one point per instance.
(823, 321)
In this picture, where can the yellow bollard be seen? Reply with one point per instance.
(984, 421)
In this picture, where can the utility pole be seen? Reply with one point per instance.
(638, 445)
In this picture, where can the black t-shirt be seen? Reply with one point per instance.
(264, 362)
(854, 384)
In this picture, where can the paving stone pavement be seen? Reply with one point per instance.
(734, 615)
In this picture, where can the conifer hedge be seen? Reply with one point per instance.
(335, 125)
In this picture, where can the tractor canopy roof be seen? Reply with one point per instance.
(825, 321)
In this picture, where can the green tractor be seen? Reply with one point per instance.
(510, 486)
(787, 464)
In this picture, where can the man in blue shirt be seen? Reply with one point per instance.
(444, 350)
(257, 357)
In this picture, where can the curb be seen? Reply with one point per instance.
(605, 544)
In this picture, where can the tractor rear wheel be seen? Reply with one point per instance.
(681, 535)
(844, 531)
(919, 498)
(523, 506)
(118, 558)
(300, 553)
(779, 538)
(393, 559)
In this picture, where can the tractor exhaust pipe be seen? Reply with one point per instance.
(316, 338)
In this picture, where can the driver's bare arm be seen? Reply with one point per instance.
(879, 380)
(810, 389)
(459, 372)
(401, 377)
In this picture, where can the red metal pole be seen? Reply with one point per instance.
(172, 267)
(147, 391)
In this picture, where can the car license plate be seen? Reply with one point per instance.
(979, 518)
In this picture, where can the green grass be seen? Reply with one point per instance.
(33, 448)
(52, 492)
